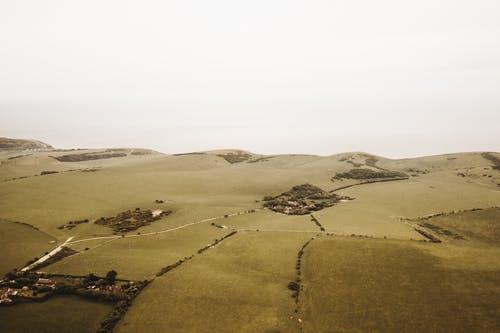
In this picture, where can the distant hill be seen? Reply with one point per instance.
(22, 144)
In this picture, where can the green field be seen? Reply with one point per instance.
(239, 286)
(369, 270)
(367, 285)
(64, 314)
(138, 258)
(21, 243)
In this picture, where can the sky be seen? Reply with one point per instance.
(390, 77)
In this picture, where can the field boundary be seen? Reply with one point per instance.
(369, 182)
(296, 285)
(168, 268)
(316, 222)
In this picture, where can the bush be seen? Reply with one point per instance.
(111, 276)
(293, 286)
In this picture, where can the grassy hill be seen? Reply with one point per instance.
(200, 280)
(22, 144)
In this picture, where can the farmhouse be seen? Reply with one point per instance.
(45, 282)
(6, 294)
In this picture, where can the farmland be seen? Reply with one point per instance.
(235, 241)
(376, 285)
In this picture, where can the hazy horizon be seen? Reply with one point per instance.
(392, 78)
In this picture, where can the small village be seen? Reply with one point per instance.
(301, 200)
(38, 286)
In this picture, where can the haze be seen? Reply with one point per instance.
(395, 78)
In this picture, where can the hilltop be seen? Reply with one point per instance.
(23, 144)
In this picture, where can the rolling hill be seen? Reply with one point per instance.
(23, 144)
(348, 242)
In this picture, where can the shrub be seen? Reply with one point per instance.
(111, 276)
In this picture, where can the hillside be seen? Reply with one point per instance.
(22, 144)
(233, 241)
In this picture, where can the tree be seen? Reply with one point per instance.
(111, 276)
(90, 279)
(11, 275)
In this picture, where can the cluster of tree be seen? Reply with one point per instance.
(175, 265)
(87, 156)
(236, 157)
(315, 220)
(295, 285)
(441, 231)
(428, 235)
(203, 249)
(369, 174)
(494, 159)
(65, 252)
(131, 219)
(72, 224)
(121, 307)
(216, 241)
(18, 279)
(92, 279)
(141, 152)
(300, 200)
(43, 173)
(261, 159)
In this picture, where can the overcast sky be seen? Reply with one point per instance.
(391, 77)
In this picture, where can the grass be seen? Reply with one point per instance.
(21, 144)
(377, 207)
(138, 258)
(59, 314)
(482, 225)
(266, 220)
(21, 243)
(88, 156)
(238, 286)
(361, 285)
(241, 283)
(494, 159)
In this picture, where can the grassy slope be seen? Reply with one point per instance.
(377, 207)
(139, 258)
(361, 285)
(266, 220)
(33, 163)
(239, 286)
(201, 186)
(482, 226)
(22, 144)
(21, 243)
(60, 314)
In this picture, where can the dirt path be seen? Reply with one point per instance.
(111, 238)
(162, 231)
(47, 256)
(279, 230)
